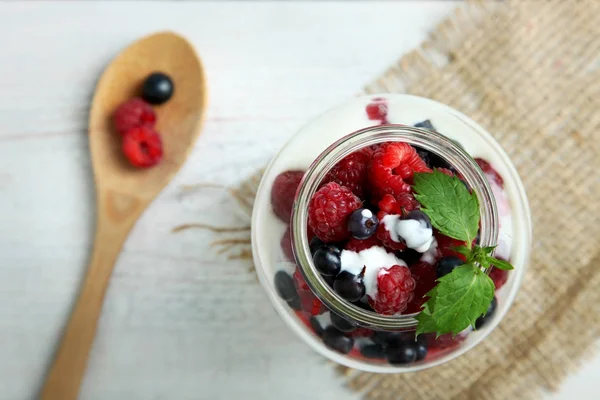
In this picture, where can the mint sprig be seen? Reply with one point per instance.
(465, 294)
(453, 210)
(459, 299)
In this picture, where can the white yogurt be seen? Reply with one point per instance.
(416, 234)
(389, 223)
(372, 260)
(431, 254)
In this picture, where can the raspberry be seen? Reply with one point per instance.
(301, 284)
(384, 236)
(499, 277)
(490, 173)
(398, 205)
(445, 341)
(329, 210)
(424, 276)
(142, 146)
(446, 171)
(360, 245)
(446, 243)
(352, 171)
(395, 288)
(283, 193)
(310, 302)
(391, 165)
(286, 245)
(377, 110)
(133, 113)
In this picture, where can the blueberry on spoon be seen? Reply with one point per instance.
(158, 88)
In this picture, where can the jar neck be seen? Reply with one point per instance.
(425, 139)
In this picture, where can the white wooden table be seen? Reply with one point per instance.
(178, 322)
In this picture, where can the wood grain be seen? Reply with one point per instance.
(122, 191)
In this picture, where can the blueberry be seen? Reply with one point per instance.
(362, 223)
(410, 256)
(392, 338)
(433, 160)
(336, 340)
(447, 265)
(401, 353)
(481, 321)
(284, 285)
(315, 244)
(364, 306)
(351, 287)
(329, 279)
(157, 88)
(328, 260)
(342, 324)
(372, 351)
(420, 216)
(421, 348)
(316, 325)
(425, 124)
(295, 303)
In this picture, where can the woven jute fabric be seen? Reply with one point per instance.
(529, 72)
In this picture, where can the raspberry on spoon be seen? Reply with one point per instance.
(142, 146)
(132, 114)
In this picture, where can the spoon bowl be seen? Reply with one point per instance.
(123, 191)
(178, 119)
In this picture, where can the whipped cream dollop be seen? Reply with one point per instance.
(417, 234)
(431, 255)
(372, 259)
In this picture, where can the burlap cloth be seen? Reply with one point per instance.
(529, 72)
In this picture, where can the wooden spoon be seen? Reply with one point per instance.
(123, 191)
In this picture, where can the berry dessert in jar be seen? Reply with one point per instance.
(391, 233)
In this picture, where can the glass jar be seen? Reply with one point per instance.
(307, 302)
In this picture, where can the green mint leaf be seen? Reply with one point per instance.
(426, 321)
(464, 250)
(483, 261)
(452, 209)
(489, 250)
(500, 264)
(460, 298)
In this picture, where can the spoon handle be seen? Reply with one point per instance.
(117, 213)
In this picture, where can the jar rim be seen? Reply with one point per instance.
(426, 139)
